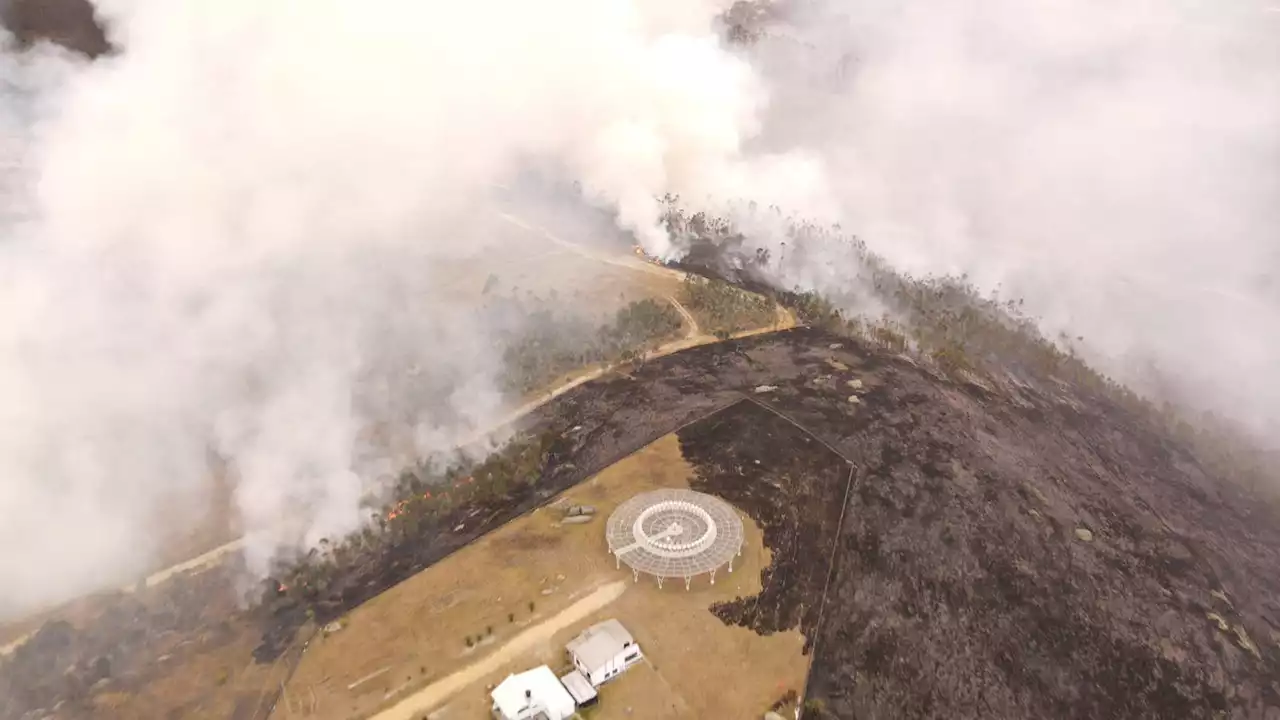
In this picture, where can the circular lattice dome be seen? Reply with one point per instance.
(674, 534)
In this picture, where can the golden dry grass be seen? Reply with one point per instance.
(414, 634)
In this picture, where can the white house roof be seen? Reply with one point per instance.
(545, 691)
(600, 643)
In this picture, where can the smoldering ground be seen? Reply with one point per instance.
(230, 236)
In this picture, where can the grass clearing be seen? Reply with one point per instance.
(526, 573)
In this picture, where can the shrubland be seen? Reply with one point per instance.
(722, 309)
(546, 343)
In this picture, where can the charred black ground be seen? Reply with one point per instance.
(1033, 551)
(1008, 549)
(1027, 549)
(792, 487)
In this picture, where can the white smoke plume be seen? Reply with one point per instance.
(235, 238)
(1114, 164)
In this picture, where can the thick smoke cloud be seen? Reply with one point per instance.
(1115, 164)
(236, 238)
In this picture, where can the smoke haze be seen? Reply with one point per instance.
(1116, 165)
(237, 236)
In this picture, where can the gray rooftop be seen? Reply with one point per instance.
(579, 687)
(599, 643)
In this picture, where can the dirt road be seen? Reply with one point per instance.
(439, 692)
(688, 317)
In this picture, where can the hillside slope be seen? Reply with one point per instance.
(1008, 549)
(1004, 550)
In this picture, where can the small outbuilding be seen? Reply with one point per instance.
(603, 651)
(580, 688)
(532, 695)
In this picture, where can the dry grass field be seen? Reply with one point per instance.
(502, 588)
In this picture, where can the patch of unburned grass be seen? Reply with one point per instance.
(525, 573)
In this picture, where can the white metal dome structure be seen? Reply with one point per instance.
(674, 533)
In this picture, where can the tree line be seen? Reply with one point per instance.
(546, 344)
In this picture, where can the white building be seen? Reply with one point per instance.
(603, 651)
(532, 695)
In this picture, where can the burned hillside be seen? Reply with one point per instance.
(1026, 549)
(947, 323)
(793, 487)
(1011, 547)
(1008, 546)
